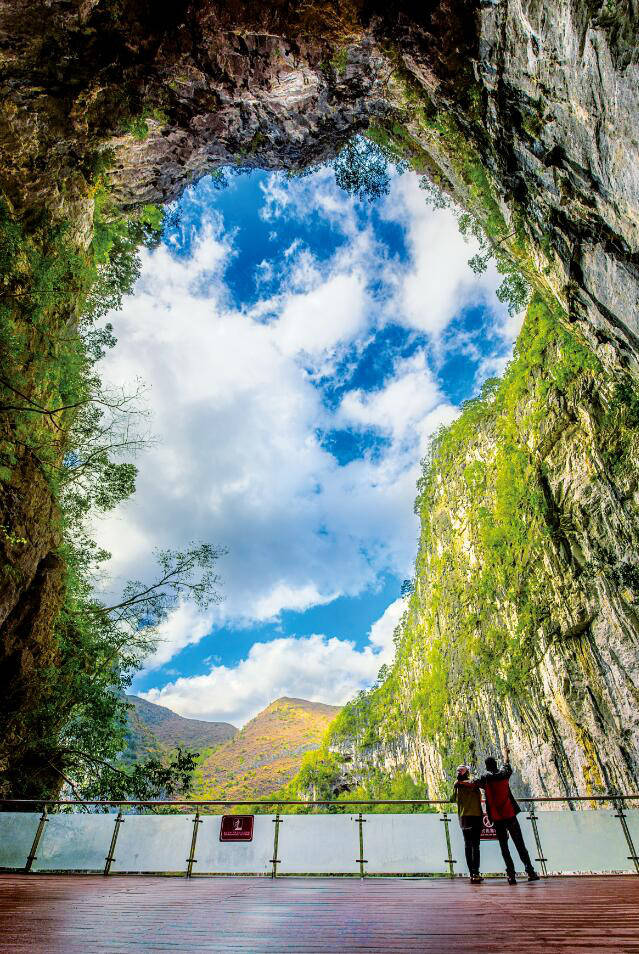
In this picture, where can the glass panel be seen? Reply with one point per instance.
(405, 844)
(216, 857)
(17, 831)
(159, 843)
(490, 857)
(319, 844)
(75, 843)
(583, 841)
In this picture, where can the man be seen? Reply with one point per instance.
(503, 811)
(466, 795)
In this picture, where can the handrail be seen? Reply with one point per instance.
(273, 803)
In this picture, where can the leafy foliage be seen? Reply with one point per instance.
(361, 169)
(53, 404)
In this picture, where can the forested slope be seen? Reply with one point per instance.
(266, 753)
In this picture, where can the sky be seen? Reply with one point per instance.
(298, 348)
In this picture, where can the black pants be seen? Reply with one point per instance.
(472, 835)
(510, 826)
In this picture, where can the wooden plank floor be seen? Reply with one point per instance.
(82, 915)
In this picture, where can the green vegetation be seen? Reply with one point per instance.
(321, 778)
(138, 126)
(477, 618)
(55, 411)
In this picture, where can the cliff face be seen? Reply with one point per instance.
(524, 110)
(523, 626)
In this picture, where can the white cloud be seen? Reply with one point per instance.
(238, 459)
(317, 320)
(319, 668)
(185, 625)
(409, 407)
(383, 630)
(438, 283)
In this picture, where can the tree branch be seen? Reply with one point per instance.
(69, 783)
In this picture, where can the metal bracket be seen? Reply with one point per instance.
(191, 860)
(31, 857)
(361, 860)
(620, 814)
(541, 859)
(275, 861)
(110, 858)
(450, 861)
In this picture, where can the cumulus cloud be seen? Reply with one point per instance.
(410, 407)
(317, 667)
(238, 413)
(437, 284)
(238, 460)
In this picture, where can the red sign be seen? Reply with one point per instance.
(236, 828)
(487, 831)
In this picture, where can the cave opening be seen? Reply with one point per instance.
(109, 112)
(300, 344)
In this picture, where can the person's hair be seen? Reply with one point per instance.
(491, 764)
(463, 772)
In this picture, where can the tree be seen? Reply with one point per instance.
(53, 403)
(361, 168)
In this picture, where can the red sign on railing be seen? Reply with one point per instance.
(236, 828)
(487, 831)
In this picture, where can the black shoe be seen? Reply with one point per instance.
(512, 879)
(476, 879)
(533, 876)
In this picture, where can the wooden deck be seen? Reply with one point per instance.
(82, 915)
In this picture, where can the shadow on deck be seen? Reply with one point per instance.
(81, 915)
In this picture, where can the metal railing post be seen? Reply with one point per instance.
(110, 858)
(277, 821)
(33, 854)
(540, 854)
(450, 861)
(190, 861)
(621, 815)
(361, 860)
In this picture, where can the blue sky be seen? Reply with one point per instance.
(299, 348)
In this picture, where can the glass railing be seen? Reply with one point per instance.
(328, 838)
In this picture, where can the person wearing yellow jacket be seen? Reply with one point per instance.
(467, 797)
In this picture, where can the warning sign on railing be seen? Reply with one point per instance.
(236, 828)
(488, 830)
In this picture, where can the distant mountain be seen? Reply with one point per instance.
(155, 729)
(266, 753)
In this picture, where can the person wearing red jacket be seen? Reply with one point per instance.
(503, 811)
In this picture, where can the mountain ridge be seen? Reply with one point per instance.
(267, 752)
(155, 729)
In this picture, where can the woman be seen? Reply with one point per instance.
(468, 800)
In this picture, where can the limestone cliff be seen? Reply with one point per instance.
(524, 110)
(523, 625)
